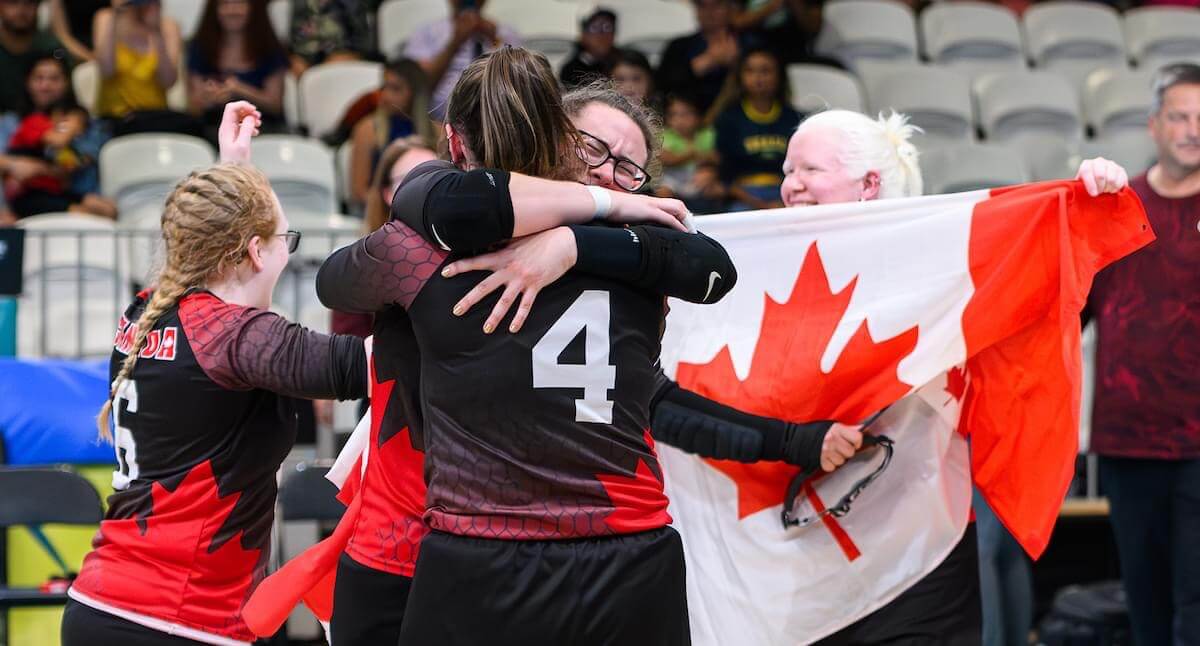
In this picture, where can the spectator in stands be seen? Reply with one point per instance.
(327, 31)
(21, 43)
(236, 55)
(72, 21)
(50, 162)
(402, 110)
(839, 156)
(788, 27)
(1146, 416)
(634, 78)
(754, 119)
(689, 158)
(138, 50)
(698, 64)
(595, 53)
(445, 47)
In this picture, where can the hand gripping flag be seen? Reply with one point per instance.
(959, 313)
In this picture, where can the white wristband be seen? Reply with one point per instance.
(602, 201)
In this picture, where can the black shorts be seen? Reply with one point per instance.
(942, 609)
(368, 605)
(85, 626)
(616, 590)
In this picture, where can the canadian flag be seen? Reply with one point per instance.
(960, 313)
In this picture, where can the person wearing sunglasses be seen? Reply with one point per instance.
(203, 409)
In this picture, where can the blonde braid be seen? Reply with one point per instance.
(207, 223)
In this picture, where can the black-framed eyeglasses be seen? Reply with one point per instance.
(842, 507)
(595, 152)
(292, 238)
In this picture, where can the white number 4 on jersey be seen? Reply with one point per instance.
(589, 312)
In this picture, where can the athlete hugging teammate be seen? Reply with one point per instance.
(203, 412)
(538, 456)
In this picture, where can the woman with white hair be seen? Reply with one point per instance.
(843, 156)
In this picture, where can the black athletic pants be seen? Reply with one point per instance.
(368, 605)
(610, 591)
(942, 609)
(1155, 513)
(85, 626)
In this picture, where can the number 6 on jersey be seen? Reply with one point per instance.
(590, 313)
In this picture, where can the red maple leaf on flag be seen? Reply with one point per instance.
(956, 383)
(786, 380)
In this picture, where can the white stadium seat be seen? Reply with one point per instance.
(185, 12)
(1046, 158)
(326, 90)
(301, 171)
(280, 12)
(85, 81)
(1162, 34)
(1117, 99)
(820, 87)
(140, 170)
(398, 19)
(937, 99)
(1073, 38)
(648, 25)
(1133, 149)
(548, 27)
(868, 29)
(971, 166)
(971, 32)
(1027, 103)
(75, 286)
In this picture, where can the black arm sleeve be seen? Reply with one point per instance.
(702, 426)
(689, 266)
(455, 209)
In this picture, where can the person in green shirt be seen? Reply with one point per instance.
(689, 157)
(21, 43)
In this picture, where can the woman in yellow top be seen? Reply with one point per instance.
(137, 50)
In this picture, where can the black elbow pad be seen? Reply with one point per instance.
(692, 267)
(470, 211)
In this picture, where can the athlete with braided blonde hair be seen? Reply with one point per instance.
(203, 412)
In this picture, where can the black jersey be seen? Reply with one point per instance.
(534, 435)
(202, 425)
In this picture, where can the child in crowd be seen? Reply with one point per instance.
(689, 157)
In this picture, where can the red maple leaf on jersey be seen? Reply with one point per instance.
(181, 524)
(786, 381)
(638, 500)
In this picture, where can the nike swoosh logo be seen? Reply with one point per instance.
(713, 277)
(439, 238)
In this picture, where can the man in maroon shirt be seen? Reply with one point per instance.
(1146, 420)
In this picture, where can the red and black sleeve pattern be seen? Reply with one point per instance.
(387, 268)
(241, 348)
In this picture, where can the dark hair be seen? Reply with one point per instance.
(732, 92)
(68, 95)
(377, 212)
(634, 58)
(418, 111)
(676, 97)
(261, 41)
(647, 119)
(507, 110)
(1168, 77)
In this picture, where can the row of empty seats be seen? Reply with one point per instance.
(949, 104)
(1066, 36)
